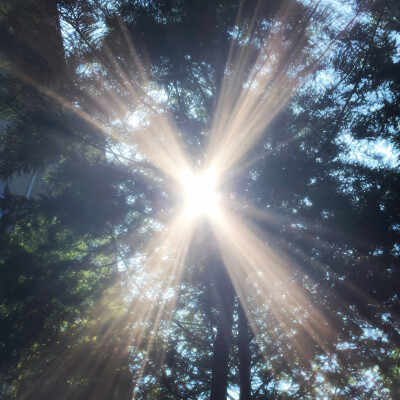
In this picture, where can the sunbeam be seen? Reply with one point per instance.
(265, 68)
(249, 259)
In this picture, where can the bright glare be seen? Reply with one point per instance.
(201, 197)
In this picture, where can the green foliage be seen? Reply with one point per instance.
(68, 318)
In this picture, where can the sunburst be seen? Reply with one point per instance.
(201, 195)
(246, 106)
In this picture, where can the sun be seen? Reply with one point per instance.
(201, 197)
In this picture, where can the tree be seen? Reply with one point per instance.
(58, 259)
(290, 297)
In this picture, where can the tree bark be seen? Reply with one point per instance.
(225, 296)
(244, 355)
(34, 41)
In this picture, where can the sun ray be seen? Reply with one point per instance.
(251, 96)
(248, 259)
(164, 265)
(159, 140)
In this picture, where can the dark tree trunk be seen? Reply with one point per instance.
(225, 296)
(244, 355)
(34, 42)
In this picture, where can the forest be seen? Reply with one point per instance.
(199, 199)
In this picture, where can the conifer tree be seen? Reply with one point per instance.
(331, 222)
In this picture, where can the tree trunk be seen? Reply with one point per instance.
(220, 364)
(34, 42)
(244, 355)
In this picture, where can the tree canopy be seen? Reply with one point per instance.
(218, 208)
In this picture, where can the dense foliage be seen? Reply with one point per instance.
(90, 309)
